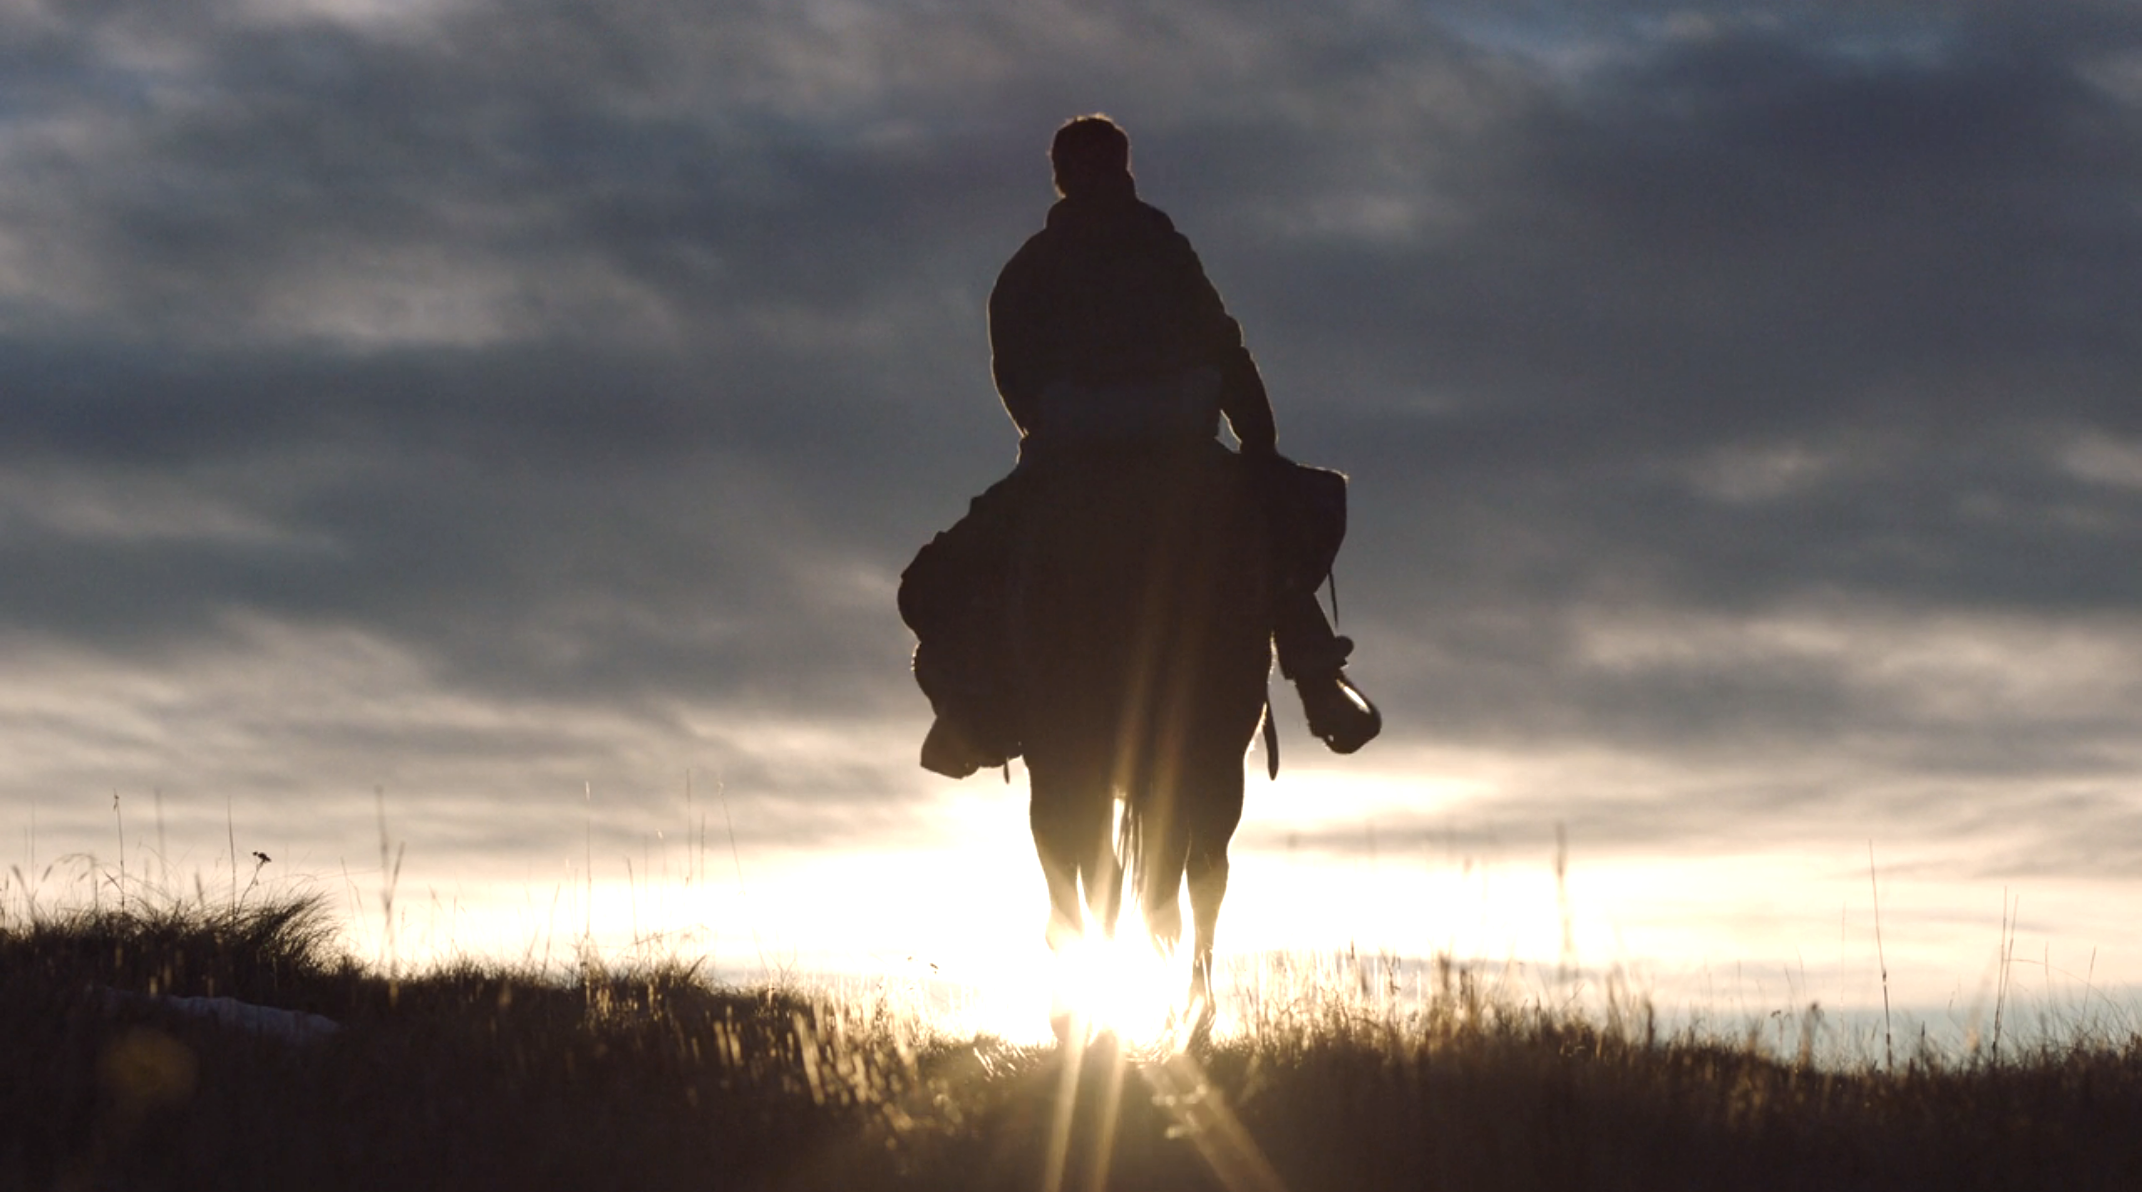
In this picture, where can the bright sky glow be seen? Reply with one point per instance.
(519, 415)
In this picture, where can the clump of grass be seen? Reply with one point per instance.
(1462, 1081)
(646, 1076)
(279, 952)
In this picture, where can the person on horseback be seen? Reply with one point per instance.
(1107, 337)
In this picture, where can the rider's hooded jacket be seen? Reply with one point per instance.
(1109, 302)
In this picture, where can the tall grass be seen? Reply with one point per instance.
(1346, 1073)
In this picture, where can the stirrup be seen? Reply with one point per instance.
(1338, 714)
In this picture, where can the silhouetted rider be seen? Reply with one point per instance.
(1103, 325)
(1106, 335)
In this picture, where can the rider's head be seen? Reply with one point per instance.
(1091, 155)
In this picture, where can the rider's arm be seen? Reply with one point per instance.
(1014, 343)
(1247, 406)
(1242, 397)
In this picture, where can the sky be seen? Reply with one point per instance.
(491, 419)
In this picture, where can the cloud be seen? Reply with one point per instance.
(1723, 387)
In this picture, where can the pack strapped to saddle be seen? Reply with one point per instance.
(954, 595)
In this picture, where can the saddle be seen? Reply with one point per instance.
(956, 597)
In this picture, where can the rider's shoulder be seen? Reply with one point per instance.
(1076, 218)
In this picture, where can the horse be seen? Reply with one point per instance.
(1140, 625)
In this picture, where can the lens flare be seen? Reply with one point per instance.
(1123, 987)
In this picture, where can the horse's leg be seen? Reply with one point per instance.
(1160, 872)
(1210, 816)
(1070, 813)
(1101, 872)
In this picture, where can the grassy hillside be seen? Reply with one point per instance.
(650, 1079)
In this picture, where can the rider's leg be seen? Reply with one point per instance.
(1314, 657)
(1307, 645)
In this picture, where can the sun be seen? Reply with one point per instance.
(1122, 986)
(1094, 986)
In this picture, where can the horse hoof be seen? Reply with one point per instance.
(1200, 1040)
(1190, 1027)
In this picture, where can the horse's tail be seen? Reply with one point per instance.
(1130, 839)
